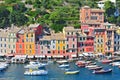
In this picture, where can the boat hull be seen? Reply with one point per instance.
(72, 72)
(102, 71)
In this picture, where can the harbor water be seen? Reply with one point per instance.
(16, 72)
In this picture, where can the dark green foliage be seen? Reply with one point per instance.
(4, 17)
(18, 19)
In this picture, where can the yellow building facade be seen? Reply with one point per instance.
(29, 38)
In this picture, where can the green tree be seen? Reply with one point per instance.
(112, 19)
(118, 21)
(12, 1)
(4, 17)
(19, 7)
(18, 19)
(109, 8)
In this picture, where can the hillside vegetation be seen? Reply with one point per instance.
(49, 13)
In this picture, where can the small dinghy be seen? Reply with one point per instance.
(91, 66)
(72, 72)
(63, 65)
(35, 72)
(102, 71)
(96, 68)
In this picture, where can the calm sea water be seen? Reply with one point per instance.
(15, 72)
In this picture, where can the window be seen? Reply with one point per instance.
(9, 46)
(13, 46)
(5, 51)
(93, 17)
(58, 47)
(58, 41)
(63, 47)
(30, 46)
(1, 45)
(31, 35)
(4, 45)
(20, 46)
(26, 35)
(4, 39)
(26, 40)
(68, 33)
(1, 39)
(73, 39)
(67, 46)
(73, 45)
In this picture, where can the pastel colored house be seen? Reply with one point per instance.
(3, 41)
(91, 17)
(71, 41)
(20, 46)
(12, 38)
(89, 42)
(60, 44)
(117, 40)
(29, 42)
(38, 29)
(110, 29)
(81, 38)
(45, 45)
(99, 41)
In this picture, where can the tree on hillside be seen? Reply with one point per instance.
(109, 11)
(4, 17)
(18, 19)
(12, 1)
(19, 7)
(109, 8)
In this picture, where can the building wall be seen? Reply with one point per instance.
(60, 47)
(87, 14)
(11, 43)
(116, 42)
(3, 45)
(29, 43)
(99, 42)
(89, 42)
(20, 47)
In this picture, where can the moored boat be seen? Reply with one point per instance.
(35, 65)
(115, 64)
(96, 68)
(35, 72)
(72, 72)
(102, 71)
(91, 66)
(106, 61)
(63, 65)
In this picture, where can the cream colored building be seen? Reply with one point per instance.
(3, 41)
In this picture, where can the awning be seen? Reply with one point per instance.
(48, 56)
(40, 56)
(99, 53)
(2, 54)
(22, 56)
(9, 55)
(80, 55)
(58, 56)
(73, 55)
(86, 54)
(30, 56)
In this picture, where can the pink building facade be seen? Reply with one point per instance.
(89, 41)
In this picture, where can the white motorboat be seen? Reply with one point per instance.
(35, 72)
(35, 65)
(115, 63)
(63, 65)
(91, 66)
(3, 66)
